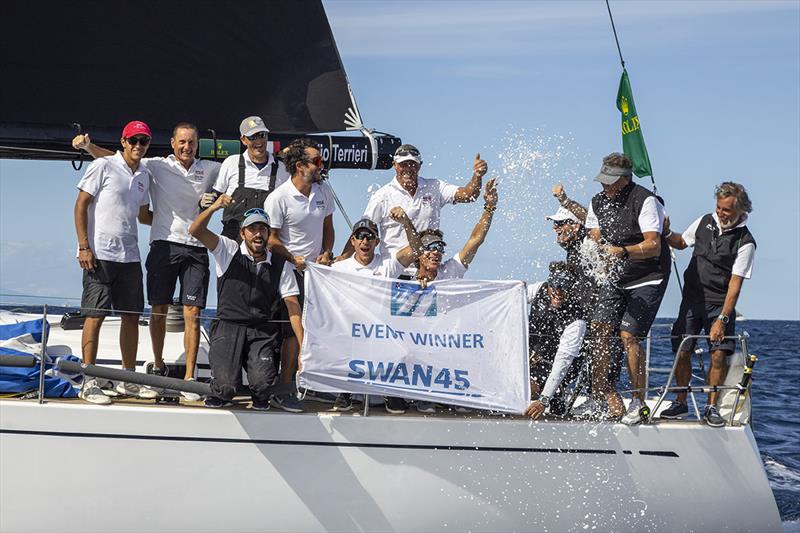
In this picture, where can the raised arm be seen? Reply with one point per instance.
(570, 205)
(471, 191)
(407, 254)
(199, 228)
(84, 142)
(478, 235)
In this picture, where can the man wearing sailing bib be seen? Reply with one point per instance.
(627, 220)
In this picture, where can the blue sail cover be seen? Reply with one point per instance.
(15, 380)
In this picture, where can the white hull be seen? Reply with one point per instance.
(69, 466)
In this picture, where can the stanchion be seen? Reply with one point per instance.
(43, 355)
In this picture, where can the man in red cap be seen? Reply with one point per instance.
(112, 193)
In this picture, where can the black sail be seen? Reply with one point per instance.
(101, 64)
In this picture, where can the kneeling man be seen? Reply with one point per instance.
(251, 282)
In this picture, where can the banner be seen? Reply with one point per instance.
(456, 342)
(632, 138)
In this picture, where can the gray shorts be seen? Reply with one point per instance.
(630, 310)
(697, 317)
(112, 285)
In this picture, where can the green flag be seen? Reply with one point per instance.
(632, 138)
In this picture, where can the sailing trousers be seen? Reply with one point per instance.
(235, 347)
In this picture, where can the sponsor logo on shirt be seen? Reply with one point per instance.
(140, 185)
(408, 299)
(320, 204)
(427, 199)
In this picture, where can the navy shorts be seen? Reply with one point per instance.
(286, 327)
(112, 285)
(630, 310)
(169, 261)
(696, 317)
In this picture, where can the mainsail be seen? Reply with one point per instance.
(104, 63)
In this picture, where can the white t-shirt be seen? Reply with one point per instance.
(228, 179)
(300, 218)
(226, 249)
(651, 217)
(453, 268)
(743, 264)
(424, 209)
(118, 194)
(175, 193)
(386, 268)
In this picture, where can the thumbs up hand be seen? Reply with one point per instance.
(479, 167)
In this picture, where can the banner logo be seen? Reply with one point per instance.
(624, 105)
(408, 299)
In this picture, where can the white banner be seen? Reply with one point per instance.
(457, 342)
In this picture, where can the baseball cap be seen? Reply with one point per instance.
(562, 214)
(407, 152)
(610, 173)
(430, 238)
(251, 126)
(136, 127)
(254, 216)
(561, 279)
(366, 224)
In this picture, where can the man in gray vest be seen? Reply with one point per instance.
(627, 222)
(723, 258)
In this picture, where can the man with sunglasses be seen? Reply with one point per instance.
(301, 230)
(421, 198)
(254, 287)
(249, 177)
(112, 194)
(177, 183)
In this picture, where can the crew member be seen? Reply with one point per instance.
(627, 220)
(251, 282)
(722, 259)
(112, 193)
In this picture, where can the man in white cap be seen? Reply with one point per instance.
(253, 288)
(249, 177)
(421, 198)
(627, 220)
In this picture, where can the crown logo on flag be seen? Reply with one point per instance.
(624, 105)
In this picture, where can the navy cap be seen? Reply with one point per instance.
(366, 224)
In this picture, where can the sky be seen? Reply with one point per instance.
(531, 86)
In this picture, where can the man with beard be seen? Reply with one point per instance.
(251, 282)
(248, 177)
(722, 259)
(421, 198)
(111, 195)
(556, 332)
(301, 230)
(177, 183)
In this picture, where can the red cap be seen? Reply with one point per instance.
(136, 127)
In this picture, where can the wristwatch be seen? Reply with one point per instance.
(625, 254)
(545, 400)
(723, 318)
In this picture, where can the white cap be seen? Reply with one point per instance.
(562, 214)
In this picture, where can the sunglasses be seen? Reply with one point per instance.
(560, 223)
(141, 139)
(404, 153)
(316, 161)
(434, 247)
(259, 135)
(362, 235)
(254, 211)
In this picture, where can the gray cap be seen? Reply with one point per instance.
(407, 152)
(255, 216)
(430, 238)
(562, 214)
(366, 224)
(251, 126)
(609, 174)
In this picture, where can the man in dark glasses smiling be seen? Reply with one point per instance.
(111, 195)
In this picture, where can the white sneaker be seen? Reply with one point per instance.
(589, 409)
(633, 416)
(92, 393)
(140, 391)
(190, 396)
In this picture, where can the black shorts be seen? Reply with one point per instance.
(169, 261)
(112, 285)
(286, 327)
(630, 310)
(696, 317)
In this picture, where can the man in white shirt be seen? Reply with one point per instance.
(248, 177)
(301, 230)
(421, 198)
(722, 259)
(627, 220)
(177, 183)
(112, 193)
(253, 288)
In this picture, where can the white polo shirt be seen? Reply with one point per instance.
(254, 178)
(300, 219)
(385, 268)
(226, 249)
(453, 268)
(423, 209)
(175, 193)
(743, 264)
(118, 194)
